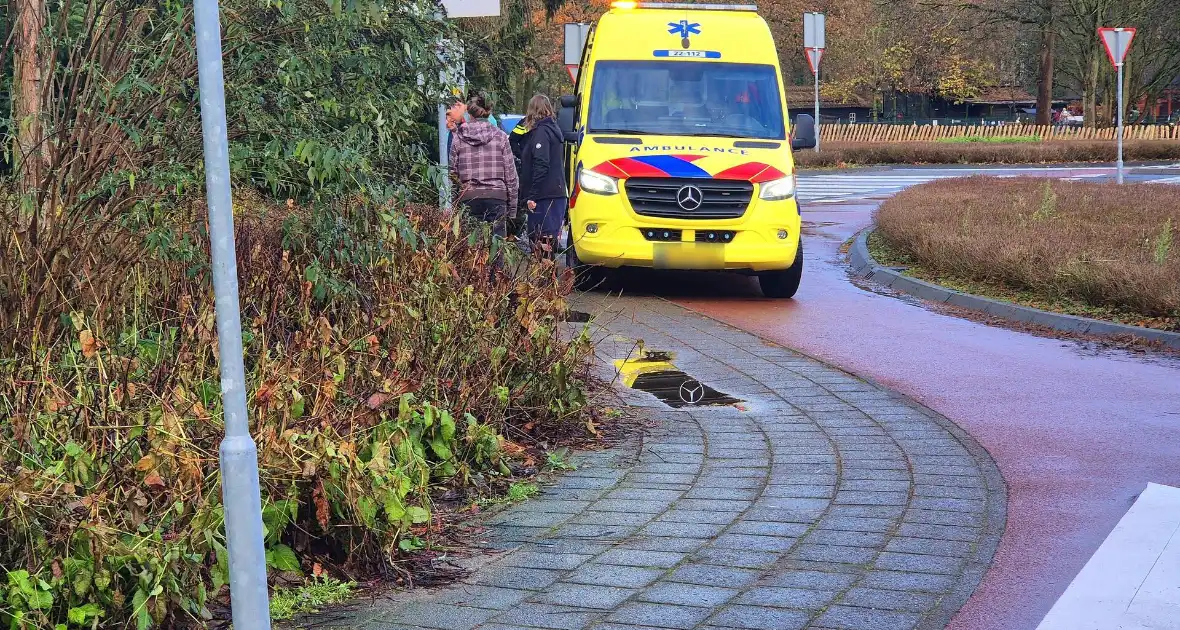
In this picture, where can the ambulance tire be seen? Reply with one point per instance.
(586, 277)
(781, 285)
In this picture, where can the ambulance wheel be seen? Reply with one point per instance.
(783, 284)
(586, 277)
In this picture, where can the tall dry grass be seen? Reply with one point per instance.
(1050, 152)
(1101, 244)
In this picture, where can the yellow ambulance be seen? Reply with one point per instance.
(680, 146)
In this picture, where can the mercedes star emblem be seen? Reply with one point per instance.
(692, 392)
(689, 197)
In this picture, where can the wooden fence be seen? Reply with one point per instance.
(869, 132)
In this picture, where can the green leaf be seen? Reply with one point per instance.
(447, 426)
(297, 408)
(283, 558)
(220, 570)
(368, 509)
(82, 614)
(394, 510)
(143, 617)
(418, 514)
(439, 446)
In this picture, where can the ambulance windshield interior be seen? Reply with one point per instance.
(686, 98)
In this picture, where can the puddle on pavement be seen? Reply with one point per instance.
(652, 371)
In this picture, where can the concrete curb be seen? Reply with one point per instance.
(865, 267)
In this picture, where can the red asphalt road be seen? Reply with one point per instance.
(1077, 433)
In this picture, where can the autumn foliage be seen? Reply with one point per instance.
(385, 359)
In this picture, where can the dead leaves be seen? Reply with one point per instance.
(153, 480)
(88, 343)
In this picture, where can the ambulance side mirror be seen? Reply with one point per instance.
(803, 133)
(565, 118)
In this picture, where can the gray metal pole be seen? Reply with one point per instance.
(444, 159)
(239, 456)
(1120, 131)
(817, 108)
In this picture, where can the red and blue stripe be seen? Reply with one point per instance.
(682, 166)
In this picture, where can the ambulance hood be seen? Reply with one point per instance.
(624, 157)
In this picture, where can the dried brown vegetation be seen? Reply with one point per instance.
(1101, 245)
(1053, 152)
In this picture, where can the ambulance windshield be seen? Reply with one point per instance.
(686, 98)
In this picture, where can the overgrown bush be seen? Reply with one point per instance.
(1052, 152)
(1095, 244)
(384, 359)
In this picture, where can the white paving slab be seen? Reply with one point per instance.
(1133, 581)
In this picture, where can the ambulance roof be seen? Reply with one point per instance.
(648, 31)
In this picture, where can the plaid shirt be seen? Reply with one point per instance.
(482, 161)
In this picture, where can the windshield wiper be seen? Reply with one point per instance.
(623, 132)
(720, 135)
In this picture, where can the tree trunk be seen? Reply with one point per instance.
(1090, 91)
(1045, 81)
(26, 94)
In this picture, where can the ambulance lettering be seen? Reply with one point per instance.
(668, 149)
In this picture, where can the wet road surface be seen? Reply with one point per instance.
(1076, 431)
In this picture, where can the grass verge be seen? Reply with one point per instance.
(839, 154)
(1086, 249)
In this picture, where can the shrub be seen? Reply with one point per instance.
(989, 139)
(1102, 245)
(1052, 152)
(384, 359)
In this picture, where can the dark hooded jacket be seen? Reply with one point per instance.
(542, 170)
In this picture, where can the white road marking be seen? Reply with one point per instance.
(1133, 581)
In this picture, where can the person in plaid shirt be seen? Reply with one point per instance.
(482, 161)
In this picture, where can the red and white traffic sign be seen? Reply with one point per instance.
(573, 70)
(814, 55)
(1117, 42)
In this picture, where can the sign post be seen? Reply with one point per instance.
(814, 44)
(575, 43)
(240, 491)
(1117, 42)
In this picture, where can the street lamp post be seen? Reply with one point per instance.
(241, 495)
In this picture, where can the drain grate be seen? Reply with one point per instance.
(677, 389)
(577, 317)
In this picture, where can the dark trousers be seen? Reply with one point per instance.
(491, 211)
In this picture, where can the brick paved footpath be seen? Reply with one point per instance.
(828, 502)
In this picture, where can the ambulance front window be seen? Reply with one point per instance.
(686, 98)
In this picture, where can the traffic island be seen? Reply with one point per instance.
(842, 154)
(1083, 258)
(821, 500)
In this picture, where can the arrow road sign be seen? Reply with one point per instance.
(813, 57)
(1117, 42)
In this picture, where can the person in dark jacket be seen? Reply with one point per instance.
(519, 226)
(483, 163)
(542, 174)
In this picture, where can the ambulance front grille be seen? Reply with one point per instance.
(720, 199)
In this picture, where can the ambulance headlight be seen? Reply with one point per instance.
(778, 189)
(598, 183)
